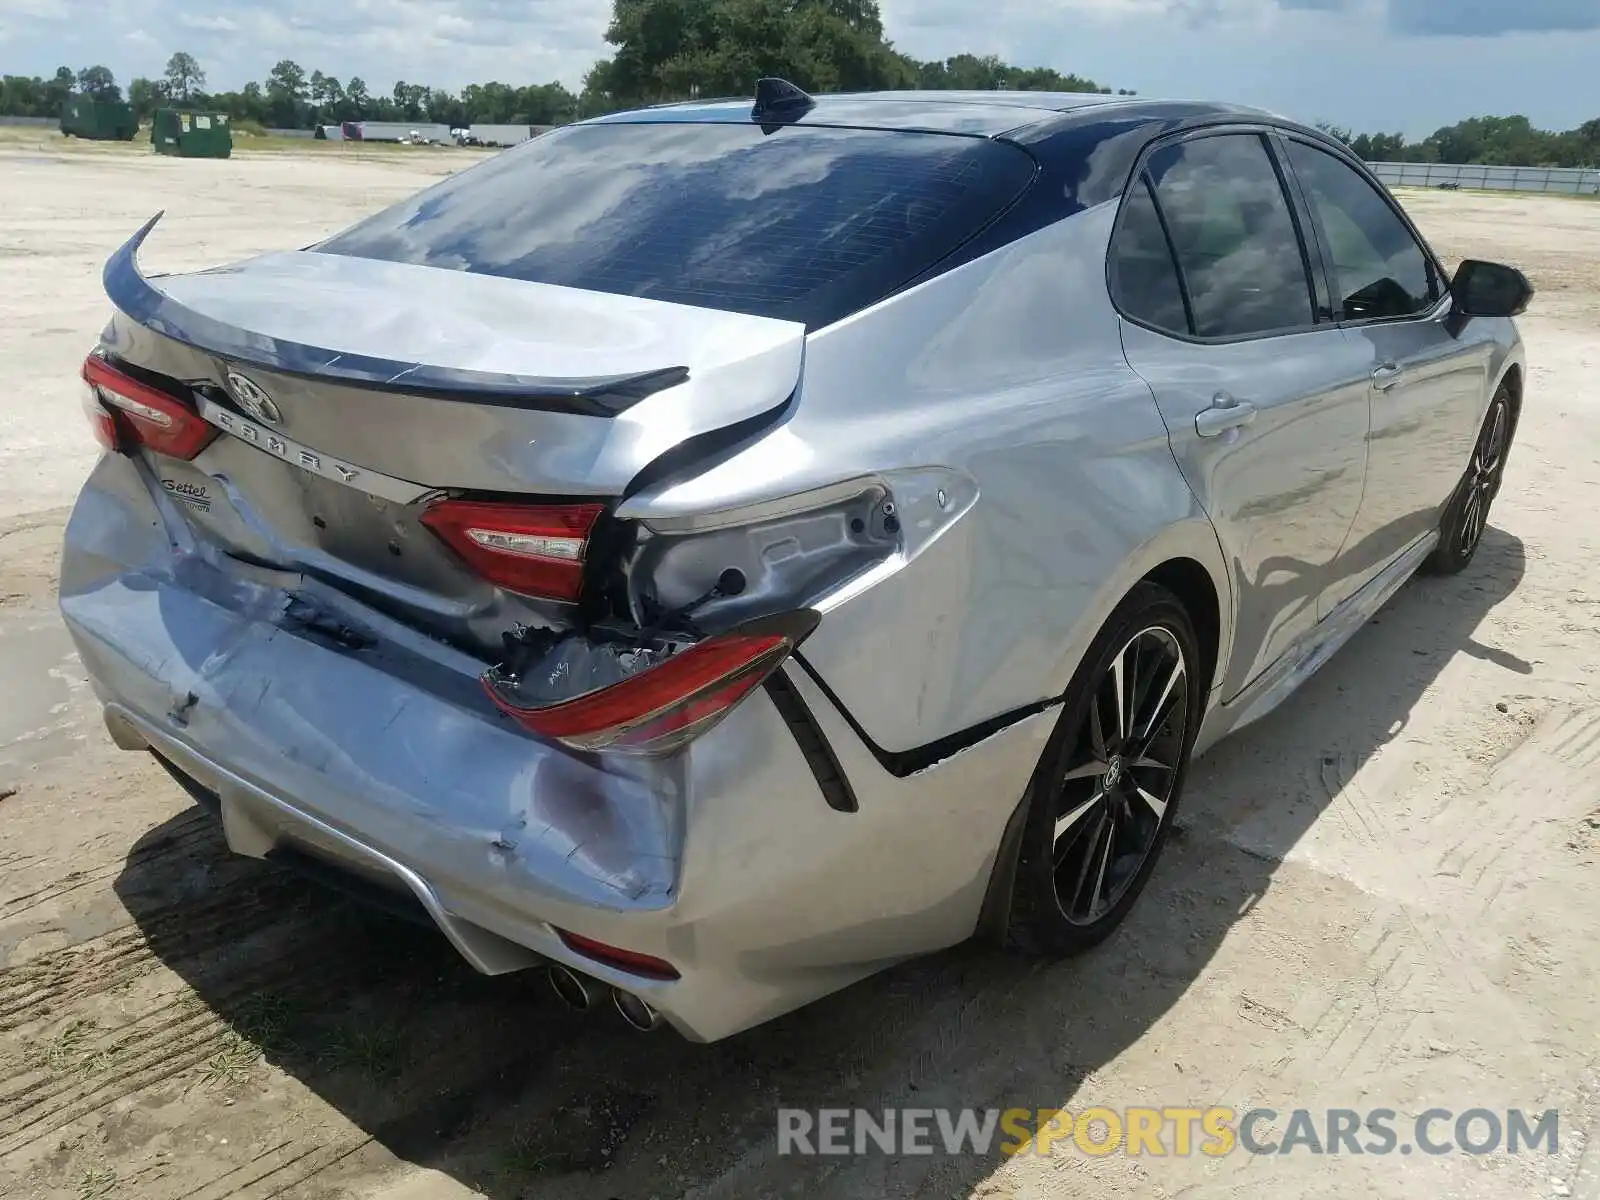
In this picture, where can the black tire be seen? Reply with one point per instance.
(1103, 829)
(1467, 514)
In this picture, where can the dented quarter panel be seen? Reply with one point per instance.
(997, 372)
(890, 880)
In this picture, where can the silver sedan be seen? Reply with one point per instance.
(715, 552)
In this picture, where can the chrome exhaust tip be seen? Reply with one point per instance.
(570, 986)
(635, 1011)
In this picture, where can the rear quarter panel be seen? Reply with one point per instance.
(1009, 370)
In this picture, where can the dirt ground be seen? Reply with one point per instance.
(1381, 896)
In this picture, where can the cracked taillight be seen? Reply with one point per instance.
(665, 706)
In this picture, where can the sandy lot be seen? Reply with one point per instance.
(1383, 896)
(68, 205)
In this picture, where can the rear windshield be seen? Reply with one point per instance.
(803, 224)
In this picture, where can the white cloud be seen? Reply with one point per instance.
(1482, 18)
(207, 21)
(441, 42)
(38, 10)
(1374, 64)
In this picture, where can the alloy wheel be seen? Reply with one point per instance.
(1483, 475)
(1122, 775)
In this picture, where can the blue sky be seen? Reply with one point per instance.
(1407, 65)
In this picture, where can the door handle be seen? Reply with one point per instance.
(1386, 376)
(1225, 414)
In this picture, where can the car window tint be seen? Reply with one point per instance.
(1235, 239)
(1143, 275)
(803, 224)
(1379, 269)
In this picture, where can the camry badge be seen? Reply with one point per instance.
(297, 454)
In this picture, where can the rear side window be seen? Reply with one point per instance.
(1144, 279)
(1235, 238)
(804, 224)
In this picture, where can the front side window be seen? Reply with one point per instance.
(1379, 270)
(1234, 236)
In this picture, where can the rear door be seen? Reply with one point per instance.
(1427, 384)
(1266, 405)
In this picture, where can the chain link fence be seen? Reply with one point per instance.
(1572, 181)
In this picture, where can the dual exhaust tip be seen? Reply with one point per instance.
(579, 993)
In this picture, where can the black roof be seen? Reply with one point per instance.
(983, 114)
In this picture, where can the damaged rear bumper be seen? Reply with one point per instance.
(381, 755)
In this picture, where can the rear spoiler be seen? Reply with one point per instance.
(141, 301)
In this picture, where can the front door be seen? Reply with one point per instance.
(1428, 382)
(1266, 408)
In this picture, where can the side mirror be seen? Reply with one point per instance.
(1486, 289)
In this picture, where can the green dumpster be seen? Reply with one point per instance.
(191, 134)
(103, 120)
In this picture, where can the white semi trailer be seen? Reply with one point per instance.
(498, 135)
(399, 131)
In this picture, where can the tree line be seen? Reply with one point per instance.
(289, 98)
(1504, 141)
(665, 50)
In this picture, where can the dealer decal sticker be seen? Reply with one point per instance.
(195, 495)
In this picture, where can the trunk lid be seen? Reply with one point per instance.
(456, 380)
(352, 392)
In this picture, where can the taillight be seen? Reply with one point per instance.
(635, 963)
(101, 421)
(125, 412)
(535, 550)
(662, 709)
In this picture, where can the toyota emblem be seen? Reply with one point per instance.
(253, 399)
